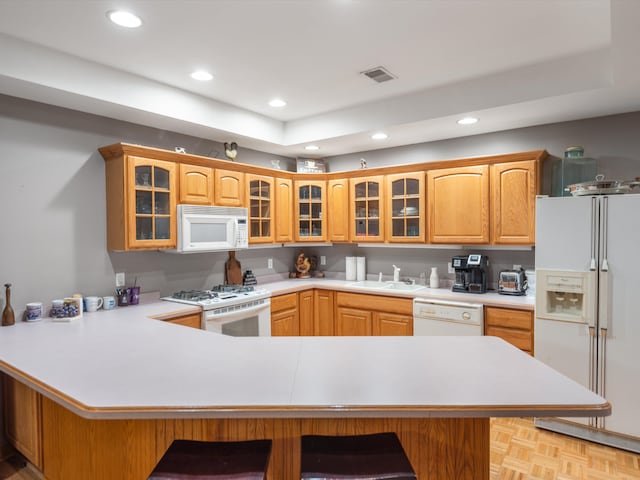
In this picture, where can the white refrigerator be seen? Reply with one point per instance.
(587, 322)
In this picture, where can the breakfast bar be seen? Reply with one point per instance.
(118, 388)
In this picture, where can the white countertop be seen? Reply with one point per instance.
(490, 298)
(122, 364)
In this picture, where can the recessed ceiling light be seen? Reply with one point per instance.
(201, 75)
(277, 102)
(379, 136)
(467, 121)
(312, 147)
(124, 19)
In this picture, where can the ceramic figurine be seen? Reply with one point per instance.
(303, 266)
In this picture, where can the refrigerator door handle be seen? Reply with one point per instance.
(594, 233)
(603, 304)
(605, 214)
(592, 370)
(603, 370)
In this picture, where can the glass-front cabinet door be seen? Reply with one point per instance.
(152, 204)
(309, 215)
(406, 206)
(367, 209)
(261, 208)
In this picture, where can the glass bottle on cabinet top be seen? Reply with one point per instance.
(367, 208)
(154, 195)
(260, 208)
(310, 202)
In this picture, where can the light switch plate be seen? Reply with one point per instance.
(269, 262)
(323, 260)
(120, 280)
(450, 268)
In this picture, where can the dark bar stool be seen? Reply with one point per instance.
(362, 457)
(196, 460)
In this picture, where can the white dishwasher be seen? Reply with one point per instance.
(444, 317)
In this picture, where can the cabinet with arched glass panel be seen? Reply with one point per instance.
(367, 209)
(261, 208)
(310, 210)
(406, 205)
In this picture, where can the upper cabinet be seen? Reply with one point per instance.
(196, 185)
(338, 206)
(261, 208)
(284, 206)
(406, 207)
(367, 209)
(310, 201)
(229, 188)
(514, 186)
(458, 202)
(141, 203)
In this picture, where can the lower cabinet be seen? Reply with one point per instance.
(513, 325)
(23, 419)
(361, 314)
(284, 315)
(193, 320)
(323, 312)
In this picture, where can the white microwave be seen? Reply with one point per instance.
(204, 228)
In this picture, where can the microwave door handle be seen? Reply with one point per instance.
(235, 232)
(238, 315)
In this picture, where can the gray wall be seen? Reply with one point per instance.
(52, 192)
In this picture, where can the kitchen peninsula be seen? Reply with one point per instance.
(117, 387)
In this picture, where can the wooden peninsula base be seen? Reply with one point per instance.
(75, 447)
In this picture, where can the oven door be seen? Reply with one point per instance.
(254, 321)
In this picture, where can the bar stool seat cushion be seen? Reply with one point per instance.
(199, 460)
(378, 456)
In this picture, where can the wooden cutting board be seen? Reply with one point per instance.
(232, 270)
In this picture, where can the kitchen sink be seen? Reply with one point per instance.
(401, 286)
(405, 287)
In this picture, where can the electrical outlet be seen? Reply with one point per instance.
(323, 260)
(516, 266)
(450, 268)
(269, 262)
(120, 280)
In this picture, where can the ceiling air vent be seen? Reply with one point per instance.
(379, 74)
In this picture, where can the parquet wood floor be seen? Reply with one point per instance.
(519, 451)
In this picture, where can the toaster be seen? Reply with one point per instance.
(512, 282)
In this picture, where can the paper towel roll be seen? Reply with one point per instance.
(361, 269)
(350, 269)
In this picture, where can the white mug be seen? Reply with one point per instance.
(109, 302)
(93, 303)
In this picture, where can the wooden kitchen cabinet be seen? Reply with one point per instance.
(323, 312)
(405, 208)
(229, 188)
(141, 203)
(284, 315)
(310, 211)
(338, 208)
(305, 312)
(284, 196)
(513, 325)
(458, 205)
(193, 320)
(196, 185)
(260, 195)
(514, 186)
(362, 314)
(367, 209)
(23, 419)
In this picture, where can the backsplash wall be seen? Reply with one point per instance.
(53, 237)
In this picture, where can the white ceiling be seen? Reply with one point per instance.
(512, 63)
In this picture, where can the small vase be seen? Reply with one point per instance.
(8, 318)
(434, 280)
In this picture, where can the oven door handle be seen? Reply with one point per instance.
(236, 315)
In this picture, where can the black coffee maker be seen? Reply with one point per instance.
(471, 273)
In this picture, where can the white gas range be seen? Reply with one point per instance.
(236, 310)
